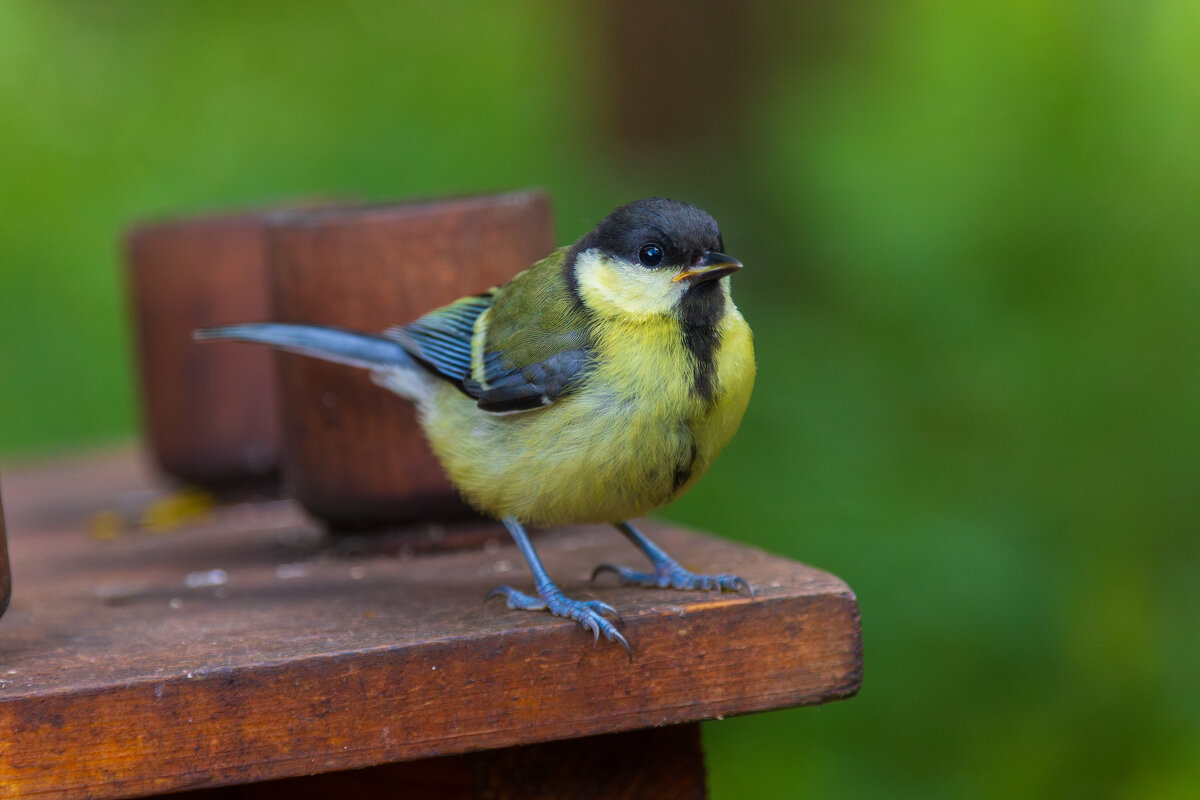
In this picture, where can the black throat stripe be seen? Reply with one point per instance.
(701, 311)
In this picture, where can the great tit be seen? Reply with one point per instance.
(596, 386)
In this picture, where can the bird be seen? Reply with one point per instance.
(596, 386)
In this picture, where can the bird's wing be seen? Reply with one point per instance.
(515, 348)
(441, 340)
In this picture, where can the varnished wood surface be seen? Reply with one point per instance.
(128, 666)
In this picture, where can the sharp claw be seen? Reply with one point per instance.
(671, 575)
(600, 605)
(589, 614)
(605, 568)
(621, 639)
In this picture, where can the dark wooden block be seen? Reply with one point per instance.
(659, 763)
(210, 412)
(353, 452)
(130, 667)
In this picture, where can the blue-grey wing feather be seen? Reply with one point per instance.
(441, 340)
(332, 344)
(531, 385)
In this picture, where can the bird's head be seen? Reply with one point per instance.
(652, 257)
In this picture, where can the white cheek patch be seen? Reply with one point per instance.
(615, 286)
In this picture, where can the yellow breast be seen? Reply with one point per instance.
(630, 440)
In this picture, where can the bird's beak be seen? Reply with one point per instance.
(714, 265)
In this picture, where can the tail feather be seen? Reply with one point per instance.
(331, 344)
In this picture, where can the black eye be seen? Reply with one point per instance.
(651, 254)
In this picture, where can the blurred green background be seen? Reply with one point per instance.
(972, 234)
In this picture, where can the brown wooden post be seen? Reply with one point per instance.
(653, 106)
(353, 452)
(210, 412)
(5, 571)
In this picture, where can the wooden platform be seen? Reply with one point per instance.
(242, 644)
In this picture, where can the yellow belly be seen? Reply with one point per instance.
(632, 439)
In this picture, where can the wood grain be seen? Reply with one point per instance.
(128, 666)
(353, 452)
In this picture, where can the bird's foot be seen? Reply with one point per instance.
(669, 575)
(588, 613)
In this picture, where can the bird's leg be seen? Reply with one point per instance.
(588, 613)
(667, 572)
